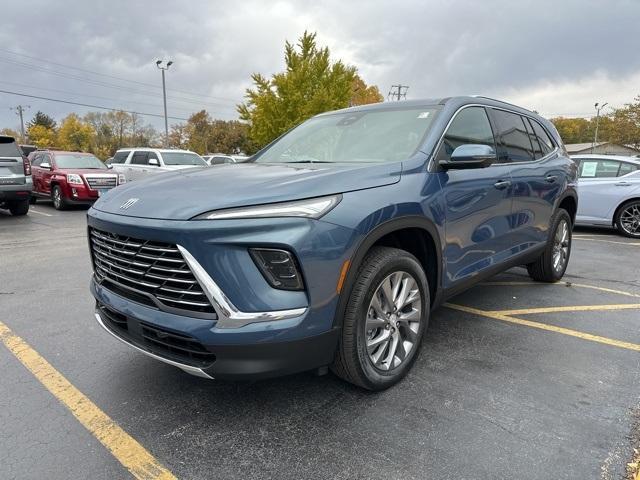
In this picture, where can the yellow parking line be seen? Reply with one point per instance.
(543, 326)
(558, 284)
(122, 446)
(570, 308)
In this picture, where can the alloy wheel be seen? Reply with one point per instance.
(630, 219)
(561, 246)
(393, 321)
(57, 199)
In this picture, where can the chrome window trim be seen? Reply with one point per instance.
(198, 372)
(229, 316)
(432, 161)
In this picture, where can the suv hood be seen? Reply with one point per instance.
(183, 194)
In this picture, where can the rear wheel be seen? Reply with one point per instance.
(19, 207)
(386, 316)
(59, 202)
(552, 264)
(628, 219)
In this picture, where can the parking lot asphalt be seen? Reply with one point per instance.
(515, 380)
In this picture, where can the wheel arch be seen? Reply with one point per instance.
(569, 202)
(388, 234)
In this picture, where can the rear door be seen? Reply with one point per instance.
(603, 184)
(137, 165)
(478, 231)
(536, 172)
(11, 163)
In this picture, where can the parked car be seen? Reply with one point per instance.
(609, 192)
(137, 163)
(333, 244)
(68, 178)
(218, 159)
(15, 177)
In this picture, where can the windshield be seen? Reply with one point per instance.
(182, 158)
(368, 136)
(79, 161)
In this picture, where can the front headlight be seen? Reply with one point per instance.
(309, 208)
(74, 179)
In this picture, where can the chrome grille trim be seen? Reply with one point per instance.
(101, 181)
(156, 269)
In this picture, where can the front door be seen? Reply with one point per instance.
(477, 202)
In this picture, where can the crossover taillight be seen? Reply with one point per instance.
(27, 166)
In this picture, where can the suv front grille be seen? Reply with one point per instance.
(157, 340)
(101, 182)
(142, 268)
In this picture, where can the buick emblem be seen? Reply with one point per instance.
(128, 203)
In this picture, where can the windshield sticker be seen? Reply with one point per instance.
(423, 114)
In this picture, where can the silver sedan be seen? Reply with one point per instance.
(609, 192)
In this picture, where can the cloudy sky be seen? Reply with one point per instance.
(558, 57)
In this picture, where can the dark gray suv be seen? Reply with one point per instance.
(15, 177)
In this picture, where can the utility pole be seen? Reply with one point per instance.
(20, 111)
(398, 91)
(164, 97)
(595, 137)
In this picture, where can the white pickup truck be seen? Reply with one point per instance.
(137, 163)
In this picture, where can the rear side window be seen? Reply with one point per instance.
(543, 137)
(139, 158)
(119, 157)
(626, 168)
(470, 126)
(513, 137)
(9, 148)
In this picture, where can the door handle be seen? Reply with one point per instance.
(502, 184)
(551, 178)
(622, 184)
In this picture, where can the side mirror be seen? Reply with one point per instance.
(45, 165)
(109, 166)
(154, 162)
(470, 156)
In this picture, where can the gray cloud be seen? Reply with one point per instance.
(526, 50)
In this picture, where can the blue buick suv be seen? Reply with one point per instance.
(333, 244)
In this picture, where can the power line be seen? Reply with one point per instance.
(92, 72)
(397, 92)
(106, 84)
(89, 105)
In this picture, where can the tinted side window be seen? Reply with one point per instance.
(543, 137)
(513, 138)
(626, 168)
(537, 150)
(119, 157)
(470, 125)
(36, 159)
(139, 158)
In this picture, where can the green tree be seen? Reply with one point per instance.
(198, 130)
(310, 84)
(74, 134)
(625, 128)
(43, 119)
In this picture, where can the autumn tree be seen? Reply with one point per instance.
(311, 83)
(9, 132)
(626, 124)
(363, 94)
(198, 130)
(42, 137)
(74, 134)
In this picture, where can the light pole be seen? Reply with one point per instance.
(595, 136)
(164, 97)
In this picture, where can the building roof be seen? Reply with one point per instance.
(576, 147)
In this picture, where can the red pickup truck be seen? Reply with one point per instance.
(68, 178)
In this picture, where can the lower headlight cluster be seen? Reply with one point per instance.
(279, 268)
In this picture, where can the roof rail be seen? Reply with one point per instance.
(501, 101)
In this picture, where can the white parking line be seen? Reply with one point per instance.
(40, 213)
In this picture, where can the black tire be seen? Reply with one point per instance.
(57, 197)
(618, 217)
(32, 199)
(543, 269)
(352, 362)
(19, 207)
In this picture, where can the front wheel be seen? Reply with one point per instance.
(552, 264)
(57, 198)
(385, 318)
(628, 219)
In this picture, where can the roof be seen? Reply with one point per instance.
(577, 147)
(602, 156)
(151, 149)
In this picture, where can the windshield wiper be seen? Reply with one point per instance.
(310, 161)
